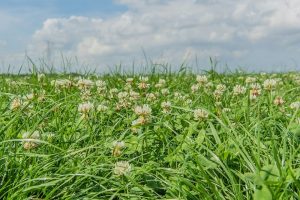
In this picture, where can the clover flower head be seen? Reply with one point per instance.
(122, 168)
(200, 114)
(270, 84)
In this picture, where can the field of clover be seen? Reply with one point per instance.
(156, 136)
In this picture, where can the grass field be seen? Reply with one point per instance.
(156, 136)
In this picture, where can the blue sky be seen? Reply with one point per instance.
(24, 17)
(59, 8)
(249, 34)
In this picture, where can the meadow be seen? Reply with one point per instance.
(153, 136)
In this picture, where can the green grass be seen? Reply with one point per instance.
(243, 149)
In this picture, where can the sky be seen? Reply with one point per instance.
(252, 35)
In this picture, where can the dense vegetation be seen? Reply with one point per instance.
(157, 136)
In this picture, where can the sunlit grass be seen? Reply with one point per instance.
(156, 136)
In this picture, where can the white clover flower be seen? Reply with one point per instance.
(133, 95)
(123, 95)
(135, 130)
(117, 147)
(166, 106)
(118, 144)
(101, 86)
(49, 136)
(209, 85)
(122, 168)
(14, 83)
(221, 88)
(61, 83)
(16, 104)
(297, 80)
(295, 105)
(123, 103)
(279, 81)
(200, 114)
(85, 108)
(119, 106)
(31, 135)
(195, 88)
(250, 80)
(201, 79)
(29, 96)
(67, 83)
(270, 84)
(85, 94)
(129, 80)
(278, 101)
(136, 122)
(177, 94)
(165, 91)
(102, 108)
(188, 101)
(217, 94)
(141, 120)
(253, 95)
(144, 110)
(100, 83)
(160, 83)
(85, 84)
(150, 97)
(143, 85)
(238, 89)
(27, 145)
(255, 86)
(255, 91)
(127, 87)
(184, 97)
(113, 90)
(226, 110)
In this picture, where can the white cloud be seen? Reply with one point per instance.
(230, 30)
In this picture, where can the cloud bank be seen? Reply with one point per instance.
(251, 33)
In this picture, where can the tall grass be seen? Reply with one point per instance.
(244, 149)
